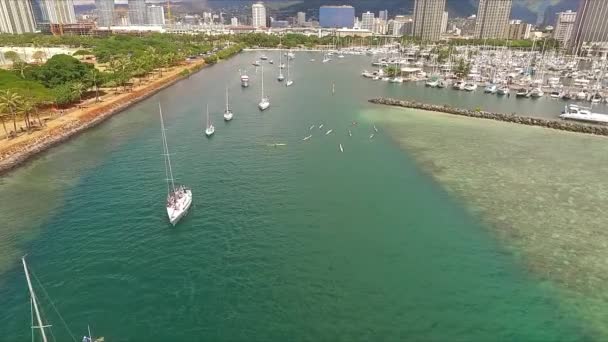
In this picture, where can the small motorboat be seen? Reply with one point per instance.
(307, 137)
(503, 90)
(329, 132)
(521, 92)
(490, 89)
(470, 86)
(256, 63)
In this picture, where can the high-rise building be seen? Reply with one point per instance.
(367, 21)
(383, 15)
(234, 21)
(105, 12)
(337, 16)
(380, 26)
(427, 19)
(590, 30)
(444, 22)
(137, 12)
(564, 24)
(301, 18)
(16, 17)
(258, 15)
(493, 19)
(41, 14)
(519, 30)
(156, 15)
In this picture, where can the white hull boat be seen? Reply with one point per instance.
(574, 112)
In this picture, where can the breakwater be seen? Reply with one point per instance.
(559, 124)
(23, 152)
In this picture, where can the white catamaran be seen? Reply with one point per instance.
(210, 129)
(179, 198)
(264, 101)
(227, 112)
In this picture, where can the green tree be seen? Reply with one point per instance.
(95, 78)
(78, 88)
(12, 56)
(64, 94)
(39, 56)
(61, 69)
(27, 106)
(462, 68)
(10, 101)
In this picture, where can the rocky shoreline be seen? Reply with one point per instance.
(28, 149)
(562, 125)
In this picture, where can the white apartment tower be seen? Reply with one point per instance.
(137, 12)
(16, 17)
(444, 22)
(367, 21)
(493, 19)
(105, 12)
(427, 19)
(258, 15)
(563, 27)
(156, 15)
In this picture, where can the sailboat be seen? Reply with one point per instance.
(227, 112)
(264, 101)
(280, 78)
(179, 198)
(210, 129)
(289, 80)
(37, 312)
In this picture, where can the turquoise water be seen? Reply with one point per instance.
(294, 242)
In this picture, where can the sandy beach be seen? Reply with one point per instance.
(60, 127)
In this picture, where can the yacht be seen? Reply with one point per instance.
(555, 94)
(264, 58)
(179, 198)
(536, 93)
(504, 90)
(574, 112)
(271, 62)
(459, 85)
(433, 83)
(521, 92)
(490, 89)
(470, 86)
(227, 112)
(244, 81)
(264, 101)
(210, 129)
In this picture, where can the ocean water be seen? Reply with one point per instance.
(286, 240)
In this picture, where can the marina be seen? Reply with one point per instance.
(280, 240)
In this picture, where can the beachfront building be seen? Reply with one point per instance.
(427, 19)
(337, 16)
(301, 18)
(444, 22)
(367, 21)
(16, 17)
(137, 12)
(156, 15)
(564, 23)
(590, 32)
(383, 15)
(105, 12)
(493, 19)
(519, 30)
(258, 15)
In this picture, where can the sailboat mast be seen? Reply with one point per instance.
(207, 115)
(226, 98)
(262, 82)
(34, 302)
(166, 148)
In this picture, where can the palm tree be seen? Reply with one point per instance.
(94, 78)
(27, 107)
(2, 115)
(10, 101)
(79, 88)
